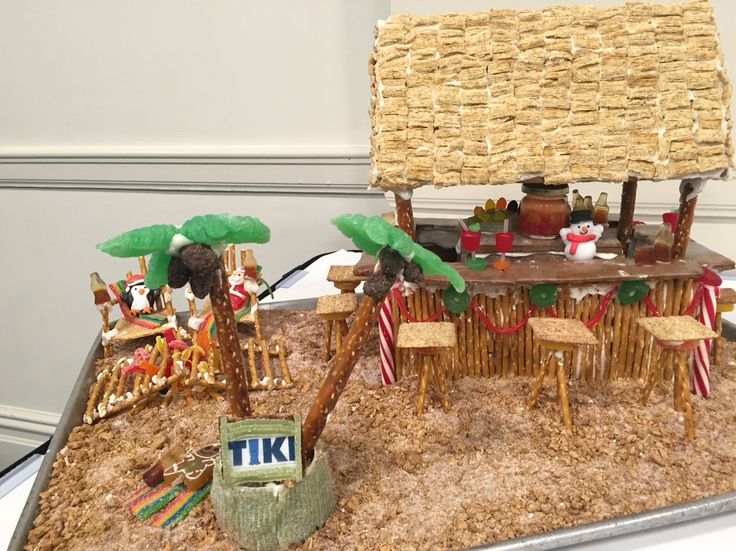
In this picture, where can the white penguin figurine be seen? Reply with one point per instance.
(580, 237)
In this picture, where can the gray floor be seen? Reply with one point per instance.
(11, 452)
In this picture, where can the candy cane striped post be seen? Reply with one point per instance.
(387, 346)
(700, 356)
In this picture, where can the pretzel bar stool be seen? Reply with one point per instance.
(724, 303)
(432, 341)
(343, 278)
(556, 335)
(680, 334)
(335, 309)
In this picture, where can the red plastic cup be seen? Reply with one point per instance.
(470, 240)
(671, 219)
(504, 241)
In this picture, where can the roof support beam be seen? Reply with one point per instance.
(626, 217)
(689, 190)
(404, 211)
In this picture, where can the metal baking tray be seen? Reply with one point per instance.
(646, 520)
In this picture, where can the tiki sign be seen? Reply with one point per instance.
(261, 450)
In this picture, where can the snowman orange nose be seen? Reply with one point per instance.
(583, 229)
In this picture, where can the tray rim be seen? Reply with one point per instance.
(616, 526)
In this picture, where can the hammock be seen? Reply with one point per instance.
(149, 321)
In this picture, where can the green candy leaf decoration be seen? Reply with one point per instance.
(224, 228)
(630, 292)
(140, 241)
(158, 270)
(371, 233)
(543, 295)
(455, 302)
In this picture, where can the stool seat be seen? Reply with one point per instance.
(343, 278)
(337, 307)
(431, 340)
(438, 334)
(558, 335)
(726, 295)
(561, 331)
(676, 328)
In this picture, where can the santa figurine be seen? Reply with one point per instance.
(138, 297)
(580, 237)
(240, 287)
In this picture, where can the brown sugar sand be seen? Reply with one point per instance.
(486, 471)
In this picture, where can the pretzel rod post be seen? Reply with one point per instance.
(591, 358)
(687, 292)
(684, 393)
(528, 342)
(256, 315)
(639, 364)
(617, 319)
(600, 337)
(327, 340)
(475, 340)
(653, 374)
(562, 393)
(338, 336)
(685, 219)
(506, 363)
(625, 337)
(404, 211)
(634, 331)
(544, 366)
(92, 400)
(266, 359)
(462, 344)
(513, 337)
(424, 371)
(285, 374)
(442, 371)
(395, 321)
(538, 359)
(626, 216)
(482, 337)
(455, 370)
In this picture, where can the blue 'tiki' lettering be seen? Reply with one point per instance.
(237, 447)
(271, 447)
(253, 450)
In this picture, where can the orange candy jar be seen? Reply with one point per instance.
(543, 211)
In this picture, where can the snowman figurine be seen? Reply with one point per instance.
(580, 237)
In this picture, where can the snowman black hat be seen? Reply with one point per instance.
(581, 215)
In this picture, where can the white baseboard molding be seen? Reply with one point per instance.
(271, 170)
(25, 426)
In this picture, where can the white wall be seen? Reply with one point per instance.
(120, 114)
(115, 115)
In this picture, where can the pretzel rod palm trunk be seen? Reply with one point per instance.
(230, 352)
(329, 393)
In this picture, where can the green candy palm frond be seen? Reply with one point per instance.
(371, 233)
(162, 241)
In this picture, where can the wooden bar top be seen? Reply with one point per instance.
(549, 268)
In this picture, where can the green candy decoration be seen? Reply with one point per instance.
(630, 292)
(371, 233)
(543, 295)
(455, 302)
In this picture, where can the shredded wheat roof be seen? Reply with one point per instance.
(566, 94)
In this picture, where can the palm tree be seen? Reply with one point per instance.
(397, 253)
(192, 253)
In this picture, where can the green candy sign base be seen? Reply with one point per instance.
(266, 517)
